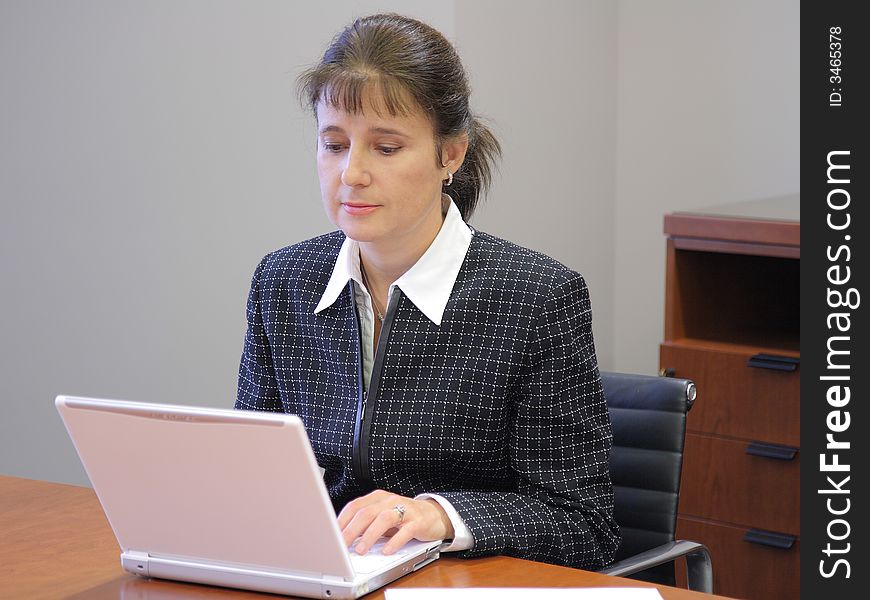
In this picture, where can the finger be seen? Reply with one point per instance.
(358, 523)
(387, 519)
(402, 537)
(350, 509)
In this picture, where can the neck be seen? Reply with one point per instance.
(387, 260)
(384, 267)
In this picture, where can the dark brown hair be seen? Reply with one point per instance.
(409, 66)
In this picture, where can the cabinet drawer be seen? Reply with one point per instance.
(721, 481)
(735, 399)
(743, 569)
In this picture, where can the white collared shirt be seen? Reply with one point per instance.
(428, 284)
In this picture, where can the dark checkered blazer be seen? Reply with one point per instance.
(499, 409)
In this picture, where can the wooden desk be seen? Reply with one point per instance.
(55, 542)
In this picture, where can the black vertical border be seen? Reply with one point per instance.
(826, 128)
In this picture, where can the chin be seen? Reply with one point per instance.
(359, 232)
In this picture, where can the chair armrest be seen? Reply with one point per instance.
(698, 564)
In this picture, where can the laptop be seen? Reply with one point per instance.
(223, 497)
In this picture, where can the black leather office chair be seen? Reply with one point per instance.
(649, 428)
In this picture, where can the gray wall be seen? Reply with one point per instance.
(708, 113)
(152, 152)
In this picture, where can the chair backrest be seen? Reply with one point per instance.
(648, 415)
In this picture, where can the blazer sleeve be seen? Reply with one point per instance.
(257, 389)
(562, 509)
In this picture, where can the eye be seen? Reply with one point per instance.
(388, 150)
(333, 147)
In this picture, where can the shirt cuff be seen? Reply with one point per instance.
(462, 537)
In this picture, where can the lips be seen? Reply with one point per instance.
(358, 208)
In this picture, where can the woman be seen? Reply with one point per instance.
(447, 379)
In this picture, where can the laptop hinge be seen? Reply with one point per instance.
(135, 562)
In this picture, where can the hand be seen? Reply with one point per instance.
(374, 515)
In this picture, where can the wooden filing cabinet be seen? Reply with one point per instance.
(732, 325)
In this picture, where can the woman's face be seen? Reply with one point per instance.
(379, 177)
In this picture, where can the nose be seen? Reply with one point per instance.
(355, 172)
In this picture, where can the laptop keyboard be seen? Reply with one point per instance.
(373, 560)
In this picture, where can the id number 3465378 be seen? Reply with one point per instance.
(835, 44)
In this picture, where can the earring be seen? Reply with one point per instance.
(449, 179)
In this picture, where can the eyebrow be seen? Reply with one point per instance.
(381, 130)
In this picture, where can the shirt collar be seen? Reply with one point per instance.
(427, 283)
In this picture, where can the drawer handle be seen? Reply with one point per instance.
(772, 361)
(771, 450)
(769, 538)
